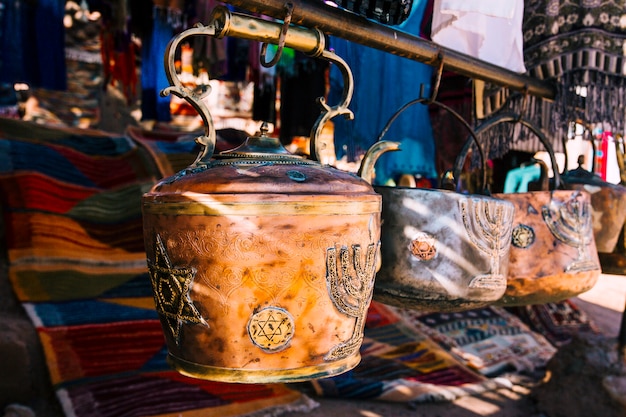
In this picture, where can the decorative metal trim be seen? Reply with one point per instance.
(523, 236)
(351, 294)
(570, 222)
(201, 205)
(172, 287)
(271, 329)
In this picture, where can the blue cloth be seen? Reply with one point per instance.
(153, 76)
(384, 83)
(32, 44)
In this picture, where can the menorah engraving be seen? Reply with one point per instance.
(570, 222)
(489, 224)
(351, 294)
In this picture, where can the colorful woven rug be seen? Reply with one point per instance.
(419, 357)
(558, 322)
(71, 208)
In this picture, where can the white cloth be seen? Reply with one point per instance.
(490, 30)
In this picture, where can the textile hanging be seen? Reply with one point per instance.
(153, 78)
(32, 44)
(579, 45)
(384, 83)
(490, 30)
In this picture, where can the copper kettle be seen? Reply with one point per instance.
(553, 254)
(608, 202)
(263, 262)
(614, 262)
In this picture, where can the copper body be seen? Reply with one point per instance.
(553, 254)
(259, 276)
(609, 207)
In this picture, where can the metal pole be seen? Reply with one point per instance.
(357, 29)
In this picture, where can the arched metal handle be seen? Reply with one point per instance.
(473, 138)
(225, 23)
(511, 118)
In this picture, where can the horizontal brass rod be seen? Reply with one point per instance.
(309, 41)
(354, 28)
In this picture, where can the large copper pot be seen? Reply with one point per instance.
(442, 250)
(614, 262)
(608, 203)
(553, 254)
(263, 262)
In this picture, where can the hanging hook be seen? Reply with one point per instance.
(436, 81)
(281, 39)
(524, 107)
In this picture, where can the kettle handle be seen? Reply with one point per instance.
(177, 88)
(512, 118)
(327, 112)
(428, 101)
(226, 23)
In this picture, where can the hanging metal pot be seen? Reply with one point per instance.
(553, 254)
(608, 203)
(262, 262)
(614, 262)
(442, 250)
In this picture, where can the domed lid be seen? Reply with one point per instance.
(262, 165)
(581, 176)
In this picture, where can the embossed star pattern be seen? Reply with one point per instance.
(171, 291)
(271, 327)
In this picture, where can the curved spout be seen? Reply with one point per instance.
(366, 170)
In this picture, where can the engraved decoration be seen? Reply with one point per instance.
(488, 224)
(422, 246)
(271, 329)
(171, 291)
(351, 294)
(570, 222)
(523, 236)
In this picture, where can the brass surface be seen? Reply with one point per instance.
(201, 205)
(352, 27)
(309, 41)
(265, 376)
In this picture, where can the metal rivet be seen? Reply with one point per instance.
(523, 236)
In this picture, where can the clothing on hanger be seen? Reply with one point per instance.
(489, 30)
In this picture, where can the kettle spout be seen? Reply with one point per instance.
(366, 170)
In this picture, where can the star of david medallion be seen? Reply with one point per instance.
(523, 236)
(271, 329)
(171, 287)
(423, 246)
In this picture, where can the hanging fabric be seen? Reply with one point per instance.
(153, 78)
(490, 30)
(383, 82)
(35, 57)
(579, 45)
